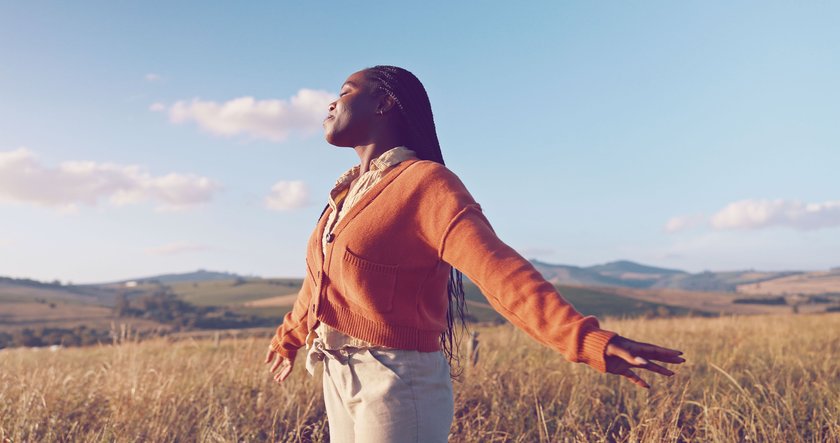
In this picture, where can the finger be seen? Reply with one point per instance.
(674, 359)
(654, 351)
(635, 379)
(285, 373)
(658, 369)
(269, 355)
(624, 354)
(277, 363)
(281, 375)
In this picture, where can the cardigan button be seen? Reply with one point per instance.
(330, 237)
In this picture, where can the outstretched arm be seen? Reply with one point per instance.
(519, 292)
(290, 335)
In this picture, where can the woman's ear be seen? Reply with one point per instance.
(386, 103)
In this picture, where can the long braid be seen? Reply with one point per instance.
(415, 109)
(418, 126)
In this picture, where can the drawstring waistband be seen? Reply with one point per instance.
(318, 353)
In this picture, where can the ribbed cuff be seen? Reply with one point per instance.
(593, 348)
(277, 346)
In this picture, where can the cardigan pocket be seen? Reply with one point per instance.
(366, 284)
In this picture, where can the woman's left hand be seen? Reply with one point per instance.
(278, 361)
(622, 354)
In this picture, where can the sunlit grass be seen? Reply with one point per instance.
(746, 379)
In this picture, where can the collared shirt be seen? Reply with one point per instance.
(342, 197)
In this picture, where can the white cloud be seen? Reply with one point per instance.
(683, 222)
(757, 214)
(287, 195)
(152, 77)
(176, 248)
(157, 107)
(270, 119)
(23, 178)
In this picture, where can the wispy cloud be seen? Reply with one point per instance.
(760, 214)
(286, 195)
(23, 178)
(270, 119)
(757, 214)
(684, 222)
(176, 248)
(152, 77)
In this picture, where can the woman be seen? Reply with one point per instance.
(383, 284)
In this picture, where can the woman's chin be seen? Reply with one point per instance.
(338, 144)
(337, 141)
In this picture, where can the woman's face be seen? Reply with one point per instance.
(351, 114)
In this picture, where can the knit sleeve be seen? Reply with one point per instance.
(519, 292)
(291, 334)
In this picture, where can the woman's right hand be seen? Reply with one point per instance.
(622, 354)
(278, 361)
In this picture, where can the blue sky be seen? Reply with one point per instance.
(145, 138)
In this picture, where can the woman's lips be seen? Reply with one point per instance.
(329, 117)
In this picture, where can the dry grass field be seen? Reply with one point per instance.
(758, 378)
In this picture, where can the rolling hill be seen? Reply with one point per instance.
(575, 275)
(810, 283)
(630, 274)
(616, 289)
(197, 276)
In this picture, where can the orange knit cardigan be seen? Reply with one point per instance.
(384, 275)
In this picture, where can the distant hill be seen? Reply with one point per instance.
(588, 301)
(575, 275)
(618, 268)
(717, 281)
(807, 283)
(24, 290)
(628, 274)
(196, 276)
(619, 289)
(622, 273)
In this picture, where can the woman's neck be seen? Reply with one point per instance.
(369, 152)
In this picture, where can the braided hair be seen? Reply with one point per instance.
(417, 126)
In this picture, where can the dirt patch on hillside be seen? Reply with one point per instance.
(810, 283)
(278, 301)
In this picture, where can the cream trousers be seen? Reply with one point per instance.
(385, 395)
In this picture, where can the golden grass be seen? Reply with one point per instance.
(747, 379)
